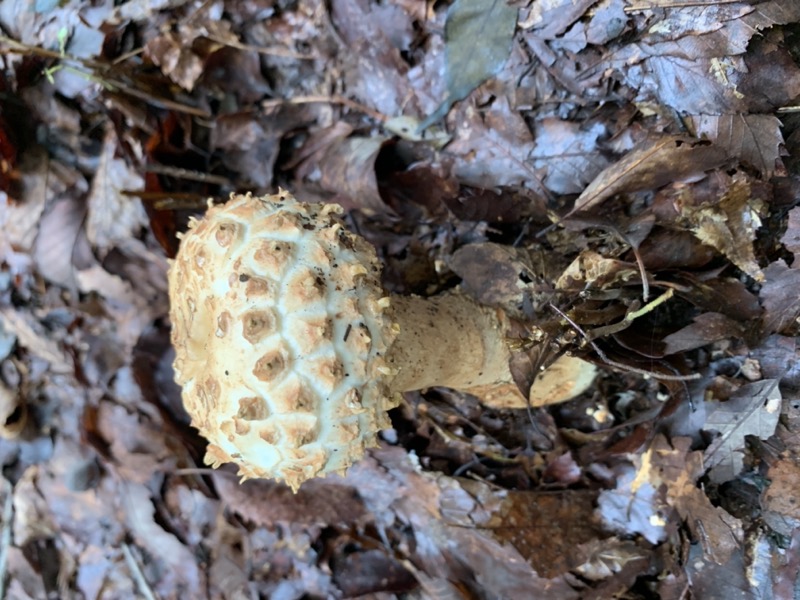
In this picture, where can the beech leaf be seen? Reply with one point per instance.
(753, 410)
(650, 165)
(478, 36)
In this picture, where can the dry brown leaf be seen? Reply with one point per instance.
(592, 270)
(182, 570)
(706, 328)
(33, 337)
(59, 229)
(753, 410)
(113, 216)
(567, 154)
(679, 468)
(730, 226)
(791, 238)
(650, 165)
(780, 299)
(348, 171)
(755, 139)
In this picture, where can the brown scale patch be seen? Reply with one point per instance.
(270, 366)
(242, 426)
(282, 222)
(257, 324)
(299, 430)
(257, 287)
(306, 286)
(223, 324)
(328, 371)
(310, 333)
(253, 408)
(216, 456)
(209, 392)
(270, 434)
(225, 233)
(274, 255)
(304, 401)
(228, 429)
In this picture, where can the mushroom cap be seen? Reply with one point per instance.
(280, 328)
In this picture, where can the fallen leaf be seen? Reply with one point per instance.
(780, 299)
(678, 468)
(753, 410)
(114, 217)
(567, 155)
(504, 277)
(492, 147)
(791, 237)
(730, 226)
(634, 506)
(706, 328)
(59, 230)
(650, 165)
(754, 139)
(32, 336)
(478, 37)
(348, 172)
(551, 18)
(565, 519)
(181, 565)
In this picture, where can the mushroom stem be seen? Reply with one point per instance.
(447, 341)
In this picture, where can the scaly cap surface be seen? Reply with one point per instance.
(280, 327)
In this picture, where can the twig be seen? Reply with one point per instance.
(335, 99)
(137, 574)
(619, 365)
(688, 4)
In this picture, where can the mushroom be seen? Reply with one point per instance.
(288, 351)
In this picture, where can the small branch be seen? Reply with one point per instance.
(137, 574)
(689, 4)
(619, 365)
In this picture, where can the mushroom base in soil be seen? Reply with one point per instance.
(290, 354)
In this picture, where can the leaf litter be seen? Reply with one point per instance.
(612, 175)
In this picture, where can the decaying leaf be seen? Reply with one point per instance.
(665, 478)
(634, 505)
(114, 217)
(478, 38)
(791, 238)
(348, 171)
(755, 139)
(568, 154)
(730, 226)
(707, 328)
(780, 299)
(650, 165)
(592, 270)
(753, 410)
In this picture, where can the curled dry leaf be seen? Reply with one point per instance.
(707, 328)
(730, 226)
(650, 165)
(348, 171)
(754, 139)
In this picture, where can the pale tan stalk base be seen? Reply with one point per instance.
(450, 341)
(447, 341)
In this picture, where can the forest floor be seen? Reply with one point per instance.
(622, 177)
